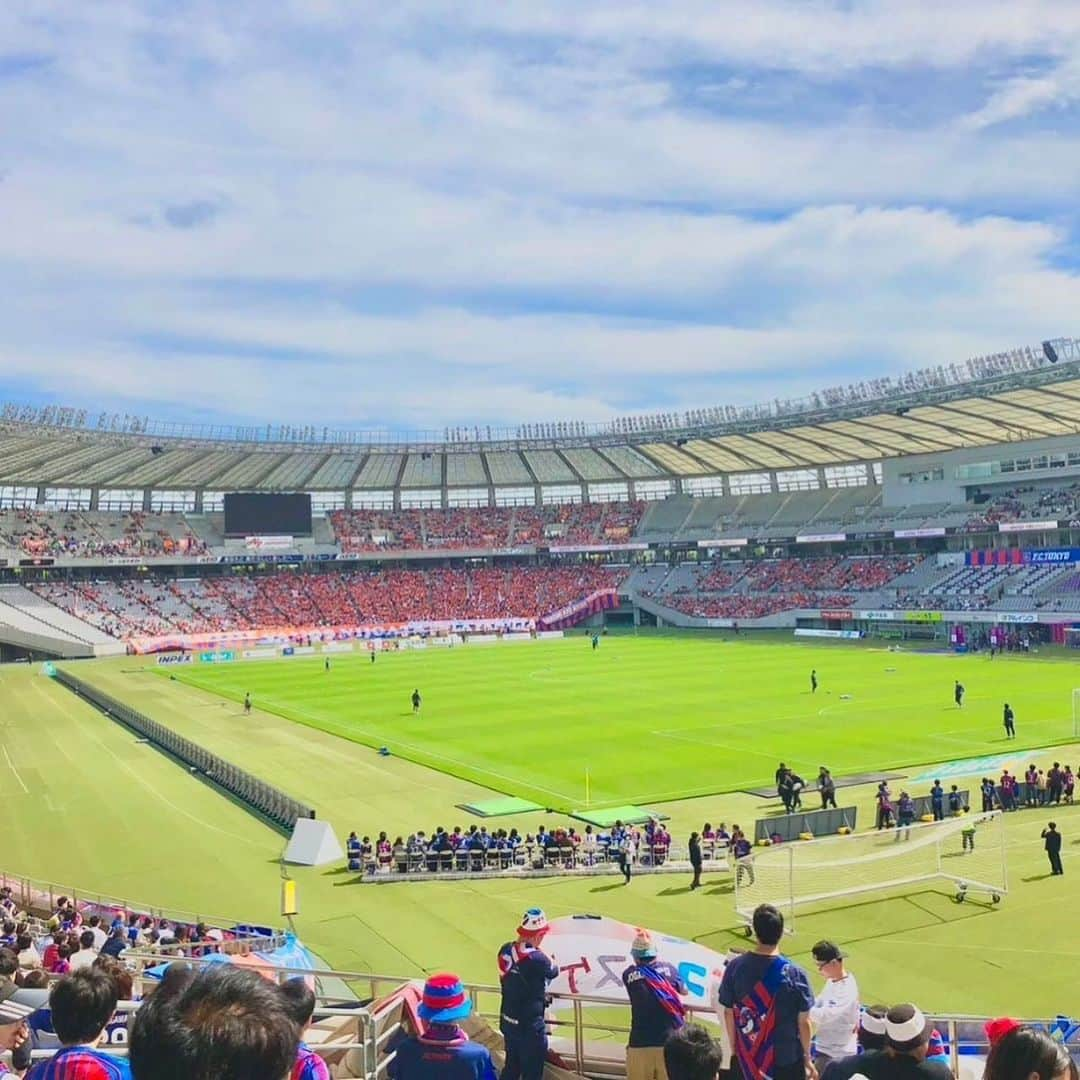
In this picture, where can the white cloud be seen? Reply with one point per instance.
(434, 213)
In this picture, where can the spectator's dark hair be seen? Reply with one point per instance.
(86, 939)
(35, 980)
(1024, 1052)
(299, 1000)
(81, 1004)
(768, 924)
(691, 1054)
(120, 976)
(24, 941)
(9, 962)
(226, 1023)
(94, 920)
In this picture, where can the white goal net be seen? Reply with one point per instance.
(968, 851)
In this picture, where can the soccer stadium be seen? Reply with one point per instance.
(540, 540)
(615, 637)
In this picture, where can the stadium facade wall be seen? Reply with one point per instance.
(957, 475)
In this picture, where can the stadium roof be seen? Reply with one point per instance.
(1040, 402)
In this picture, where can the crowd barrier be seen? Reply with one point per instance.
(266, 801)
(588, 1032)
(787, 827)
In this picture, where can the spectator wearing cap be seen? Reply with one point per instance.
(871, 1040)
(1019, 1051)
(524, 972)
(691, 1054)
(14, 1035)
(442, 1051)
(81, 1005)
(835, 1012)
(655, 1009)
(300, 1003)
(907, 1039)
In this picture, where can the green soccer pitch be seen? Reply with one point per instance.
(651, 719)
(89, 805)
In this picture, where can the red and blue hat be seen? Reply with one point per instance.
(444, 1000)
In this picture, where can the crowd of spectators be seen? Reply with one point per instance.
(1027, 503)
(741, 590)
(86, 535)
(477, 849)
(150, 606)
(464, 528)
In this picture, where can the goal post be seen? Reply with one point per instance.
(969, 851)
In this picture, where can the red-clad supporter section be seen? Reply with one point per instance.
(365, 531)
(150, 607)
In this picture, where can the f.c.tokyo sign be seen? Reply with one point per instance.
(1052, 555)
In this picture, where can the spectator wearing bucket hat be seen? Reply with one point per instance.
(871, 1039)
(524, 972)
(835, 1012)
(907, 1039)
(655, 1009)
(442, 1051)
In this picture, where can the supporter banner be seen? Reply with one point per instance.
(482, 639)
(298, 650)
(580, 610)
(1026, 526)
(852, 635)
(923, 616)
(880, 616)
(916, 534)
(446, 640)
(842, 616)
(216, 657)
(820, 538)
(1017, 617)
(292, 635)
(719, 624)
(338, 646)
(545, 634)
(517, 637)
(577, 549)
(170, 659)
(1052, 555)
(123, 560)
(268, 543)
(513, 551)
(732, 543)
(1004, 557)
(593, 952)
(259, 654)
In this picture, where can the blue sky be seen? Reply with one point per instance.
(422, 214)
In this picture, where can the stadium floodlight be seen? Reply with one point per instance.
(969, 851)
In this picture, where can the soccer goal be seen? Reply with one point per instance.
(1076, 709)
(968, 851)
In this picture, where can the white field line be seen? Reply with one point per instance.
(11, 766)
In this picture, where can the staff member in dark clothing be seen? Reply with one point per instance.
(415, 700)
(781, 783)
(1052, 843)
(524, 972)
(694, 848)
(1008, 718)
